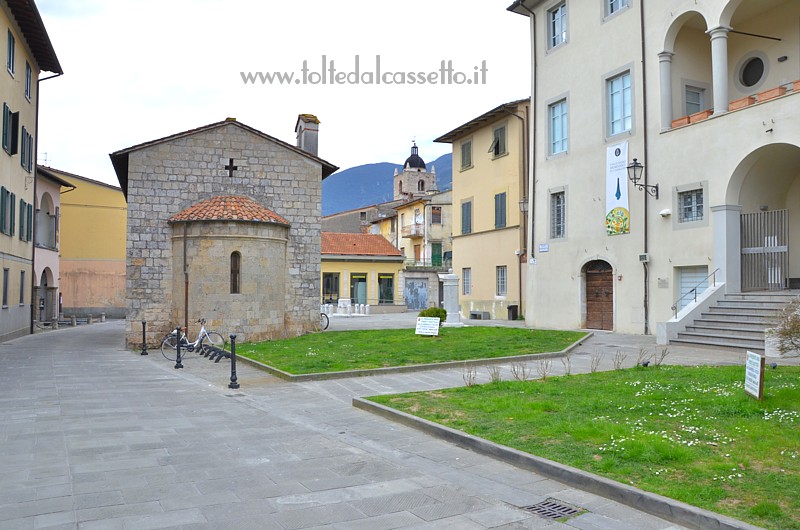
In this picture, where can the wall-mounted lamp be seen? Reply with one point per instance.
(523, 204)
(635, 172)
(666, 212)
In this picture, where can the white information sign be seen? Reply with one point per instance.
(427, 326)
(754, 375)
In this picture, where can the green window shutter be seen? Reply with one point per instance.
(23, 159)
(6, 125)
(14, 136)
(29, 224)
(3, 206)
(22, 213)
(12, 219)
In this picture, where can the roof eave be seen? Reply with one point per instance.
(33, 29)
(52, 176)
(362, 257)
(480, 121)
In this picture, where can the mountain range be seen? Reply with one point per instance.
(369, 184)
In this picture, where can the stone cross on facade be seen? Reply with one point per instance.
(230, 167)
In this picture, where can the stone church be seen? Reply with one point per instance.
(224, 223)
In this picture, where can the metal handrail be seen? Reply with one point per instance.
(693, 290)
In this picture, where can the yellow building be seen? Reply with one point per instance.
(28, 53)
(424, 227)
(489, 184)
(364, 268)
(92, 238)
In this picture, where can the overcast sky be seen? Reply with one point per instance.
(138, 70)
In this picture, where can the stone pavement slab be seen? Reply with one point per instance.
(94, 436)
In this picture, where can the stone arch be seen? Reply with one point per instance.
(728, 11)
(768, 178)
(45, 296)
(421, 185)
(671, 34)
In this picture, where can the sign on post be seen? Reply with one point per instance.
(428, 326)
(754, 375)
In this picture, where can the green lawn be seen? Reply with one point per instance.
(337, 351)
(686, 433)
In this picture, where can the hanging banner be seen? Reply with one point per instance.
(618, 217)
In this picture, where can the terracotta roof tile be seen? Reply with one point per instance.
(357, 244)
(228, 208)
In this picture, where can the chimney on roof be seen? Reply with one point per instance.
(307, 129)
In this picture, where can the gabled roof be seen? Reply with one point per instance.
(30, 23)
(63, 173)
(120, 158)
(228, 208)
(46, 173)
(480, 121)
(358, 245)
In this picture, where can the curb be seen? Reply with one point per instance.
(286, 376)
(674, 511)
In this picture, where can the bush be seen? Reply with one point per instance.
(788, 329)
(434, 312)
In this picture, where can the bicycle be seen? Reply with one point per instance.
(324, 321)
(169, 344)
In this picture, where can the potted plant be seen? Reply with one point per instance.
(771, 93)
(680, 122)
(700, 116)
(741, 103)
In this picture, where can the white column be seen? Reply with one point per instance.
(450, 286)
(719, 67)
(665, 68)
(727, 245)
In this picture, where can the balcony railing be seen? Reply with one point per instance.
(415, 230)
(436, 263)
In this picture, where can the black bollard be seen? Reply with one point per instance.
(144, 338)
(233, 383)
(178, 363)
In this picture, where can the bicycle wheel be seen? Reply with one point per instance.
(168, 347)
(324, 321)
(215, 339)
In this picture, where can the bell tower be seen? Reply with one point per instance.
(415, 180)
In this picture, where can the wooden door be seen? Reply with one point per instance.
(599, 296)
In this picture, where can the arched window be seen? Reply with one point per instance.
(236, 273)
(401, 186)
(421, 185)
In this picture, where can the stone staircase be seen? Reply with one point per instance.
(737, 321)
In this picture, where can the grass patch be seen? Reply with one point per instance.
(339, 351)
(687, 433)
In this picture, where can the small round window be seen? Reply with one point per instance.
(752, 72)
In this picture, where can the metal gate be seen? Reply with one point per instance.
(765, 250)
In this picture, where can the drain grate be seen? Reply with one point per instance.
(553, 509)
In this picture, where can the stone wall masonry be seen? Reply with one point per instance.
(166, 178)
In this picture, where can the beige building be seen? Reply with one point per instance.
(489, 184)
(703, 95)
(28, 54)
(47, 262)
